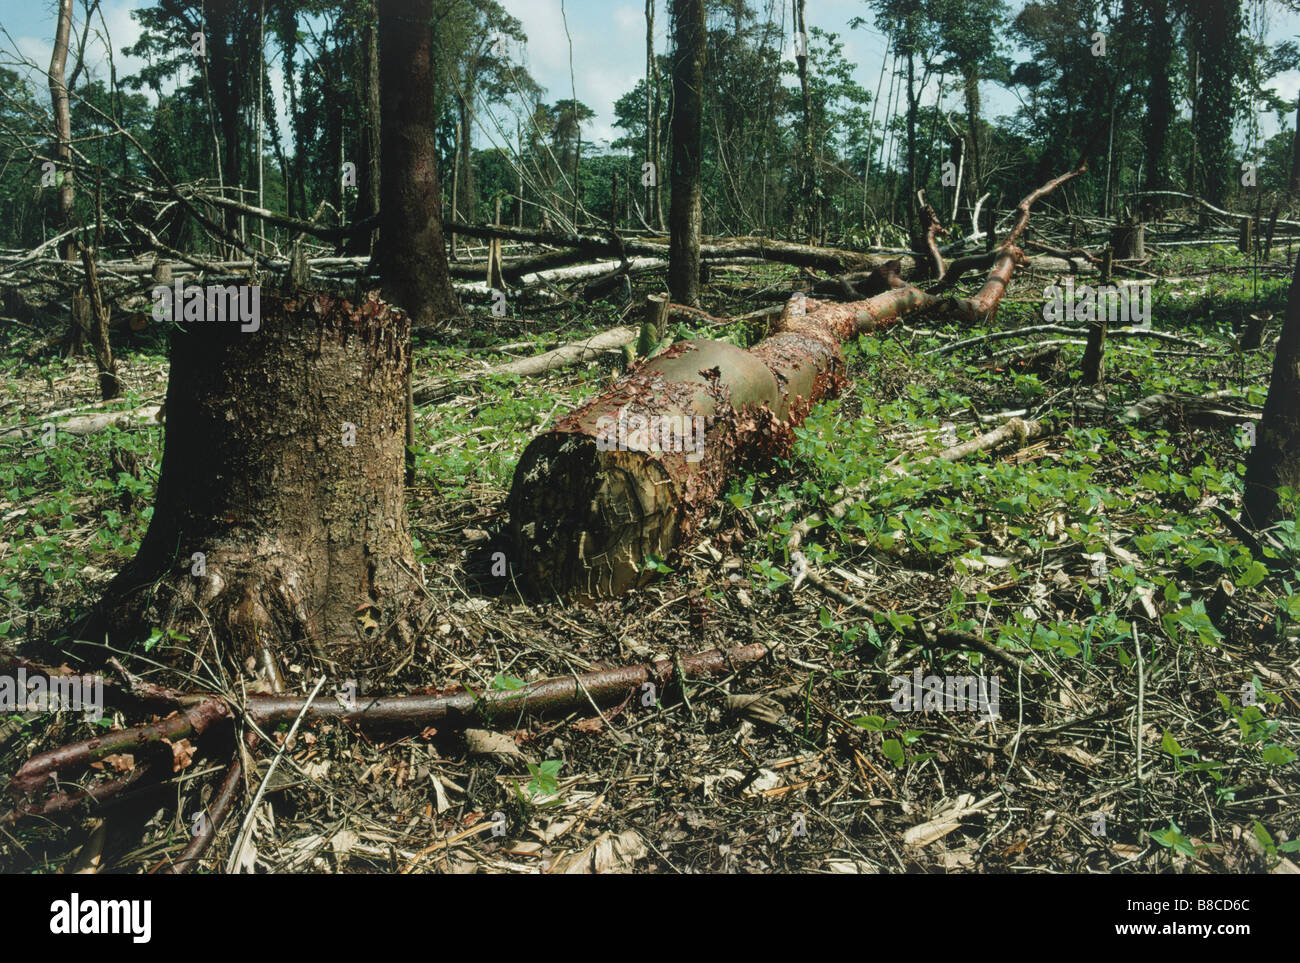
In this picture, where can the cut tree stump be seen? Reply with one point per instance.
(1129, 241)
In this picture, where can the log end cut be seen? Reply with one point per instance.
(584, 520)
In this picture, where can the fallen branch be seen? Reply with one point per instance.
(982, 305)
(575, 352)
(1063, 329)
(86, 424)
(558, 695)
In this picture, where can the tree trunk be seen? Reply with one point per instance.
(807, 174)
(688, 142)
(409, 255)
(1160, 101)
(279, 519)
(1129, 240)
(971, 88)
(74, 336)
(465, 201)
(913, 110)
(1295, 153)
(650, 106)
(1274, 461)
(632, 473)
(368, 199)
(62, 125)
(657, 151)
(109, 386)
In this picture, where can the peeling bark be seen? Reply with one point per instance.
(633, 472)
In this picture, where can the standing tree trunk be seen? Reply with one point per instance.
(688, 142)
(109, 387)
(63, 125)
(76, 332)
(807, 173)
(1160, 100)
(1216, 27)
(368, 201)
(971, 89)
(465, 198)
(913, 111)
(409, 255)
(1274, 461)
(1295, 153)
(650, 107)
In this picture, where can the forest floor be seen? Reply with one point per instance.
(1151, 724)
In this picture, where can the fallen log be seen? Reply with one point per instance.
(86, 424)
(786, 252)
(630, 475)
(591, 500)
(575, 352)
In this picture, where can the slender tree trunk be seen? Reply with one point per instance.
(807, 174)
(688, 143)
(1295, 153)
(1160, 101)
(368, 201)
(913, 110)
(465, 141)
(1274, 461)
(410, 256)
(971, 90)
(109, 387)
(62, 125)
(63, 154)
(650, 119)
(657, 150)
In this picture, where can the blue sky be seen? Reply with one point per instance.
(608, 47)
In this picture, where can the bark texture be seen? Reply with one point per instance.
(410, 255)
(685, 212)
(282, 469)
(1274, 461)
(62, 124)
(609, 485)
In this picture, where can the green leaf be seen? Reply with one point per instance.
(1255, 574)
(893, 751)
(1173, 838)
(1276, 755)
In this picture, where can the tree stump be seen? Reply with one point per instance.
(1129, 241)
